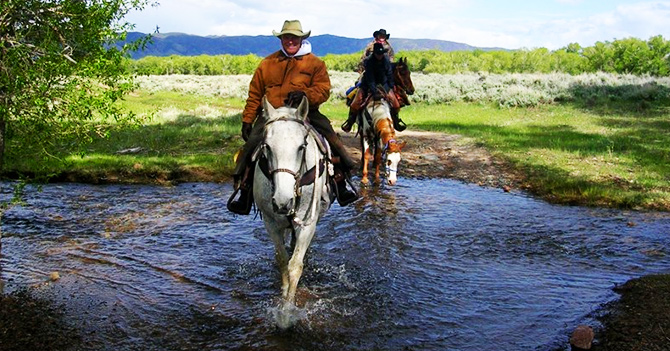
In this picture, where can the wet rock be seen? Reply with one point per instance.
(581, 338)
(53, 276)
(430, 157)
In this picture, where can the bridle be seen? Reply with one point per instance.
(388, 168)
(301, 177)
(400, 78)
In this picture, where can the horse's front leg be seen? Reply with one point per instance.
(366, 156)
(295, 265)
(281, 256)
(378, 164)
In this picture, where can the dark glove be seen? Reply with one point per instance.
(294, 98)
(246, 130)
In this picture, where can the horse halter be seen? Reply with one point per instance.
(265, 166)
(301, 179)
(387, 168)
(400, 78)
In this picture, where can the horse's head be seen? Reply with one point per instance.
(402, 76)
(284, 149)
(392, 150)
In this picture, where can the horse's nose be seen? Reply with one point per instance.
(391, 181)
(282, 209)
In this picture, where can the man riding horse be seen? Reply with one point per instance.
(377, 82)
(284, 77)
(379, 36)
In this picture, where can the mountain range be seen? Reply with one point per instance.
(166, 44)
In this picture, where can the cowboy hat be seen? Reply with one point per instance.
(292, 27)
(381, 32)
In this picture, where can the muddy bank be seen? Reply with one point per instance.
(439, 155)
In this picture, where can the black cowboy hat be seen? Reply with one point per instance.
(381, 32)
(378, 48)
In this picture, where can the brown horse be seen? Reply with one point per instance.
(403, 81)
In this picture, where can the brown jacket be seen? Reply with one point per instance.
(277, 75)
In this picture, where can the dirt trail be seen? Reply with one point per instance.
(439, 155)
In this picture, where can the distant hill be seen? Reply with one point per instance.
(166, 44)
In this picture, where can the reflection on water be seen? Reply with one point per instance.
(427, 265)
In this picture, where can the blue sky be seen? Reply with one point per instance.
(510, 24)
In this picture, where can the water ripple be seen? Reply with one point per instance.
(430, 265)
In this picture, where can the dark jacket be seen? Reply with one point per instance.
(377, 72)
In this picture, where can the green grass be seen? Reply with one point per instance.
(600, 154)
(607, 155)
(186, 137)
(614, 154)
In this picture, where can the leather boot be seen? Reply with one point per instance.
(398, 123)
(346, 162)
(243, 204)
(346, 126)
(344, 196)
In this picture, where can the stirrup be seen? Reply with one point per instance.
(400, 125)
(344, 195)
(239, 206)
(347, 125)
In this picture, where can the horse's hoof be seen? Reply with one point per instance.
(287, 315)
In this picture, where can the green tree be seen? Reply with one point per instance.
(600, 57)
(61, 71)
(659, 65)
(573, 48)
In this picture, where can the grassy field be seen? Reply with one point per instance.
(603, 155)
(596, 151)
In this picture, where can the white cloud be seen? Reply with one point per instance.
(569, 2)
(470, 22)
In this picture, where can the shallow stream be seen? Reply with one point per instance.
(426, 265)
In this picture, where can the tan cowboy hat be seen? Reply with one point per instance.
(292, 27)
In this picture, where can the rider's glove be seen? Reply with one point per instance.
(294, 98)
(246, 130)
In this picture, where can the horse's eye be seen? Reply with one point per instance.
(388, 162)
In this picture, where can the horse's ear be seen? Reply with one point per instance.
(401, 144)
(303, 108)
(268, 109)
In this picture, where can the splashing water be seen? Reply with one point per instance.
(427, 265)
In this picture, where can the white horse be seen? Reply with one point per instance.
(378, 132)
(291, 191)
